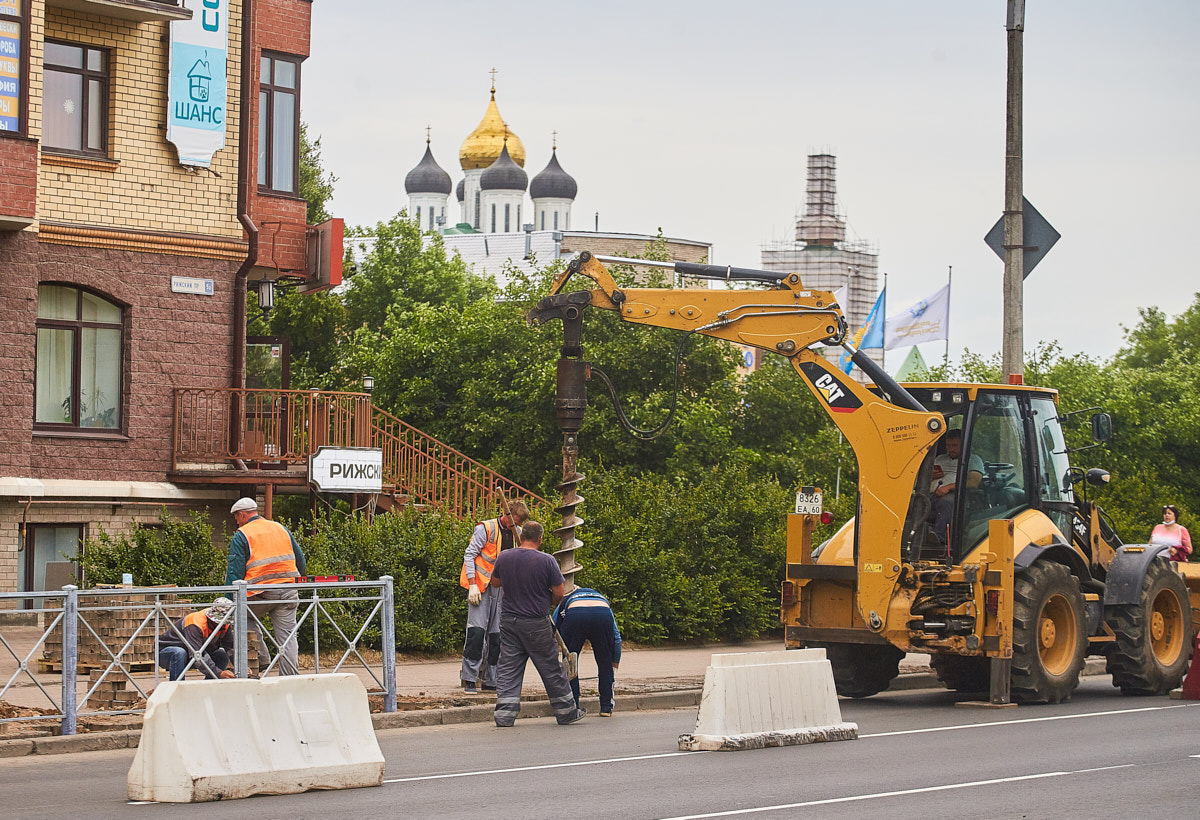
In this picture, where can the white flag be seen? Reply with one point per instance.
(842, 297)
(926, 321)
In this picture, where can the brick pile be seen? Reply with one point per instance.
(115, 627)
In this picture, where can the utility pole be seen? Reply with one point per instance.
(1012, 355)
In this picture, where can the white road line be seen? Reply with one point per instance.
(904, 792)
(1026, 720)
(537, 768)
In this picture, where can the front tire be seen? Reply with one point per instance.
(862, 670)
(961, 673)
(1154, 636)
(1049, 634)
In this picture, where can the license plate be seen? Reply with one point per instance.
(808, 503)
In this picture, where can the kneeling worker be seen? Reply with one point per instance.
(532, 584)
(586, 615)
(184, 639)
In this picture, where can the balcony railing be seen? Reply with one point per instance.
(274, 429)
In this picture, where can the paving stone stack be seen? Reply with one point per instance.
(113, 694)
(115, 627)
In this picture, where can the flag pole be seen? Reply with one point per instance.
(883, 319)
(949, 280)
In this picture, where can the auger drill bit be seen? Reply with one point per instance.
(570, 403)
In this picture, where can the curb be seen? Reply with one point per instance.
(650, 701)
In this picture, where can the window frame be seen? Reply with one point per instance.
(87, 75)
(77, 326)
(21, 21)
(267, 91)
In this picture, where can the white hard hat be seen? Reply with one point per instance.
(243, 504)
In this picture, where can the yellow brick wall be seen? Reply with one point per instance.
(143, 187)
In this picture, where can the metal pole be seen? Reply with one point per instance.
(1014, 218)
(949, 290)
(388, 637)
(241, 645)
(70, 635)
(316, 613)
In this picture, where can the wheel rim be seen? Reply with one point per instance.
(1057, 635)
(1166, 627)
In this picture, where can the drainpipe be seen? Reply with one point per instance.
(243, 206)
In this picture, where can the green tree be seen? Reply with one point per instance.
(315, 184)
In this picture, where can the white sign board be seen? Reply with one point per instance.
(196, 86)
(191, 284)
(808, 503)
(346, 469)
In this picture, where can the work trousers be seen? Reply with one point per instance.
(481, 650)
(175, 658)
(281, 605)
(594, 625)
(530, 639)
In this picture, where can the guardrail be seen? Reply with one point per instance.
(109, 634)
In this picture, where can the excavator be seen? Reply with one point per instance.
(1009, 585)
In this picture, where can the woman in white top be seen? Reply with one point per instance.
(1170, 533)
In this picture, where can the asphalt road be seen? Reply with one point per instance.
(1101, 755)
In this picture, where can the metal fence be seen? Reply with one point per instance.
(107, 635)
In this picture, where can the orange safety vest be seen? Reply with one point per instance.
(201, 622)
(492, 539)
(271, 560)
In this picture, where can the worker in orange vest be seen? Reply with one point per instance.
(483, 601)
(184, 641)
(264, 552)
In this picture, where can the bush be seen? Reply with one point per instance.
(171, 552)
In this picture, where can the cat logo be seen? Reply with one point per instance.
(836, 394)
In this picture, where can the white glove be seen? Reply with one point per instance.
(474, 596)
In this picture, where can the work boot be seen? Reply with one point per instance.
(574, 717)
(469, 687)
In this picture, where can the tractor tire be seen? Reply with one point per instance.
(862, 670)
(1049, 634)
(961, 673)
(1154, 636)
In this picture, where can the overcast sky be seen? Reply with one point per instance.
(698, 118)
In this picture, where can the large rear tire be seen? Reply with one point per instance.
(1154, 636)
(1049, 634)
(960, 673)
(862, 670)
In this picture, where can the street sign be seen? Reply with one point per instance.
(346, 469)
(1039, 237)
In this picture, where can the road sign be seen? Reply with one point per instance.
(1039, 237)
(346, 469)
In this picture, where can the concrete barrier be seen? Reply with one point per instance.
(219, 740)
(752, 700)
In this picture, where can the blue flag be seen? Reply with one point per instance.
(871, 333)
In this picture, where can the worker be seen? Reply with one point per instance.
(586, 615)
(1172, 534)
(264, 552)
(944, 483)
(488, 540)
(185, 640)
(532, 585)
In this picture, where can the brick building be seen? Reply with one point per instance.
(149, 157)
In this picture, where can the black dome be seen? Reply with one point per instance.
(428, 177)
(461, 190)
(504, 175)
(553, 181)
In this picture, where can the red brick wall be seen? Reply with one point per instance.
(18, 177)
(282, 26)
(171, 340)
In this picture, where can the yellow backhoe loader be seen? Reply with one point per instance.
(1008, 582)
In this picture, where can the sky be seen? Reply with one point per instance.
(698, 119)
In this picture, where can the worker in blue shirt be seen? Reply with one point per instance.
(586, 616)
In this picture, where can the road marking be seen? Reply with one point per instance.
(538, 768)
(905, 792)
(1024, 720)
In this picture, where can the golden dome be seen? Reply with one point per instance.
(483, 146)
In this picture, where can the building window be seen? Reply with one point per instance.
(418, 215)
(79, 354)
(556, 220)
(75, 98)
(507, 208)
(543, 221)
(278, 122)
(477, 214)
(50, 551)
(493, 218)
(14, 25)
(431, 219)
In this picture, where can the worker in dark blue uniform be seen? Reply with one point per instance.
(586, 616)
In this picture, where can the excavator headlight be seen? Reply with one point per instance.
(789, 593)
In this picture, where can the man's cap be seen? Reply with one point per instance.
(243, 504)
(218, 609)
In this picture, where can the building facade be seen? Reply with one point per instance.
(150, 160)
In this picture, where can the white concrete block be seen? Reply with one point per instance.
(225, 739)
(776, 698)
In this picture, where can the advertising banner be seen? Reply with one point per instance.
(10, 65)
(196, 91)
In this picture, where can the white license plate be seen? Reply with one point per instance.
(808, 503)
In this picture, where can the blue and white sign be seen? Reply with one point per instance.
(196, 87)
(191, 284)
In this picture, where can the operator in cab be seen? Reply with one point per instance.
(943, 485)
